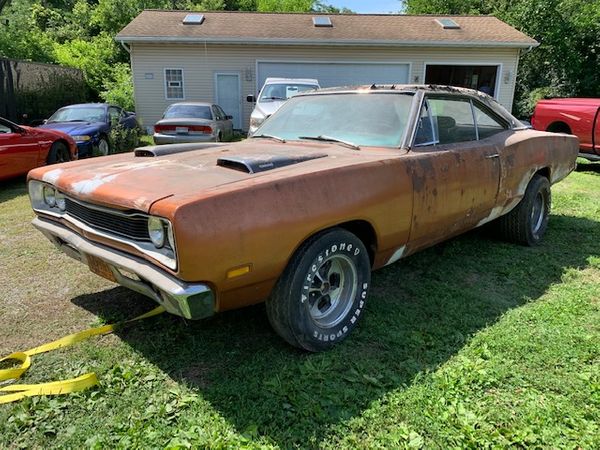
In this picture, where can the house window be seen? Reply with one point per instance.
(174, 84)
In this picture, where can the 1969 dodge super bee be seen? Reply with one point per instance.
(337, 183)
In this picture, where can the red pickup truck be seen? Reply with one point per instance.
(578, 116)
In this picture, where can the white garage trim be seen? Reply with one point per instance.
(498, 65)
(319, 61)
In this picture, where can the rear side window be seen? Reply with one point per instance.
(453, 119)
(188, 112)
(486, 124)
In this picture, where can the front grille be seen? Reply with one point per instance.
(129, 225)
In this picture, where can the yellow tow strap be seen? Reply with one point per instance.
(20, 391)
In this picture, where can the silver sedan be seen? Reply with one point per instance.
(193, 122)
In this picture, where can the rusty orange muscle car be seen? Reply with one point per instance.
(337, 183)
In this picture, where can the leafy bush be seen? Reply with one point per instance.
(118, 87)
(124, 140)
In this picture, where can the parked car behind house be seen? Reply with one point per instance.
(578, 116)
(193, 122)
(90, 124)
(273, 94)
(24, 148)
(302, 212)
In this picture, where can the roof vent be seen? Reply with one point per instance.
(322, 21)
(448, 24)
(193, 19)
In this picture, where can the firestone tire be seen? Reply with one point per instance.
(322, 293)
(526, 224)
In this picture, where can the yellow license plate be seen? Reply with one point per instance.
(100, 268)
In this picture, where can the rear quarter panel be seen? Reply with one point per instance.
(527, 152)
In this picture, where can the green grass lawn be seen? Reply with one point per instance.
(474, 343)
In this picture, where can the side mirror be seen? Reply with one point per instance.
(228, 117)
(251, 99)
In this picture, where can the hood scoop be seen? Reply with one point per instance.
(170, 149)
(262, 163)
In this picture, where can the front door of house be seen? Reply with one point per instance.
(228, 96)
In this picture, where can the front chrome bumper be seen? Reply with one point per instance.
(189, 300)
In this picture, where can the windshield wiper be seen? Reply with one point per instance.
(274, 98)
(269, 136)
(325, 138)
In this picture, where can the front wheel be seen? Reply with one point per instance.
(321, 294)
(103, 147)
(526, 224)
(58, 153)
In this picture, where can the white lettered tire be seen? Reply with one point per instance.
(321, 295)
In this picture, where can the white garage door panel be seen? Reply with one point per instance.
(335, 74)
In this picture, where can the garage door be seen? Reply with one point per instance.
(335, 74)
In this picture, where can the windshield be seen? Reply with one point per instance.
(365, 119)
(188, 112)
(79, 114)
(283, 91)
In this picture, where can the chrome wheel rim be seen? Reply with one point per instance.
(103, 147)
(332, 291)
(538, 212)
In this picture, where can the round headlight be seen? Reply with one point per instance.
(156, 230)
(60, 200)
(50, 196)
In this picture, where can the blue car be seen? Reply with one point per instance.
(90, 125)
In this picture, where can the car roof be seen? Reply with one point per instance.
(191, 104)
(274, 80)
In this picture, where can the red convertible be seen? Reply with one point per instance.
(24, 148)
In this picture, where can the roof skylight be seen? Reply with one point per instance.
(193, 19)
(322, 21)
(448, 24)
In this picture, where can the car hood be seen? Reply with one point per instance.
(74, 128)
(133, 182)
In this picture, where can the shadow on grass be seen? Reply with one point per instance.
(588, 167)
(422, 311)
(12, 188)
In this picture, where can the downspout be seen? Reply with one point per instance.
(126, 47)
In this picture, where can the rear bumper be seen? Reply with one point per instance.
(189, 300)
(160, 139)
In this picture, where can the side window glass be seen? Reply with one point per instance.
(4, 129)
(221, 112)
(426, 133)
(216, 113)
(114, 115)
(486, 124)
(454, 119)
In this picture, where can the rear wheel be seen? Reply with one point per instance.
(58, 153)
(526, 224)
(322, 292)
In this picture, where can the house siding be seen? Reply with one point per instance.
(201, 62)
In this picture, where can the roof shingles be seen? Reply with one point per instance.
(364, 29)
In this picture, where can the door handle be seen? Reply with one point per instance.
(495, 155)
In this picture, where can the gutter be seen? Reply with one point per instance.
(321, 42)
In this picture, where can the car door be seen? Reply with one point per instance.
(455, 174)
(227, 123)
(19, 150)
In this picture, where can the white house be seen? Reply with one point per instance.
(221, 57)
